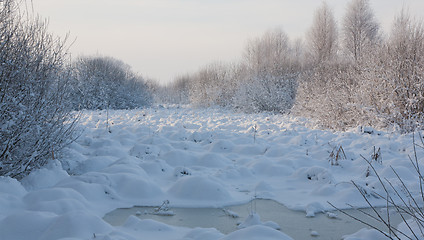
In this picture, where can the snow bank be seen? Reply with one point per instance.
(366, 234)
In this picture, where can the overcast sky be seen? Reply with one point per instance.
(161, 39)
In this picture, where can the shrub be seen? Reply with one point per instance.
(35, 120)
(105, 82)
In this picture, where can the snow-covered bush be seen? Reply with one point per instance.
(266, 93)
(326, 93)
(105, 82)
(35, 120)
(272, 66)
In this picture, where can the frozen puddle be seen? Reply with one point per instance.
(293, 223)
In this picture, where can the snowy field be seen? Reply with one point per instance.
(197, 158)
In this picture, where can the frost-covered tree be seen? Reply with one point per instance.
(35, 119)
(385, 89)
(391, 80)
(322, 36)
(326, 94)
(320, 82)
(268, 53)
(360, 29)
(213, 85)
(181, 89)
(156, 91)
(272, 67)
(175, 92)
(324, 85)
(404, 71)
(391, 88)
(105, 82)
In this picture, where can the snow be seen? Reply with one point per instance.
(257, 232)
(196, 158)
(314, 234)
(254, 219)
(365, 234)
(198, 189)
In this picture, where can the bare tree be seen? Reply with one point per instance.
(360, 28)
(322, 36)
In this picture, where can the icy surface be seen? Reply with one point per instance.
(195, 158)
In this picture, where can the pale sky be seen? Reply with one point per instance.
(162, 39)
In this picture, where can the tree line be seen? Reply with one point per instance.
(342, 76)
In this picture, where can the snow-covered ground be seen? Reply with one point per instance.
(196, 158)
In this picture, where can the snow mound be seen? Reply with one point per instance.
(75, 225)
(117, 181)
(141, 150)
(93, 164)
(196, 188)
(313, 208)
(179, 158)
(45, 177)
(314, 174)
(135, 223)
(365, 234)
(56, 200)
(221, 146)
(254, 219)
(24, 225)
(257, 232)
(203, 234)
(212, 160)
(268, 167)
(60, 206)
(11, 186)
(130, 186)
(115, 151)
(201, 137)
(53, 194)
(250, 149)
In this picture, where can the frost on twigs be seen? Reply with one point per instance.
(376, 156)
(336, 155)
(162, 210)
(405, 200)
